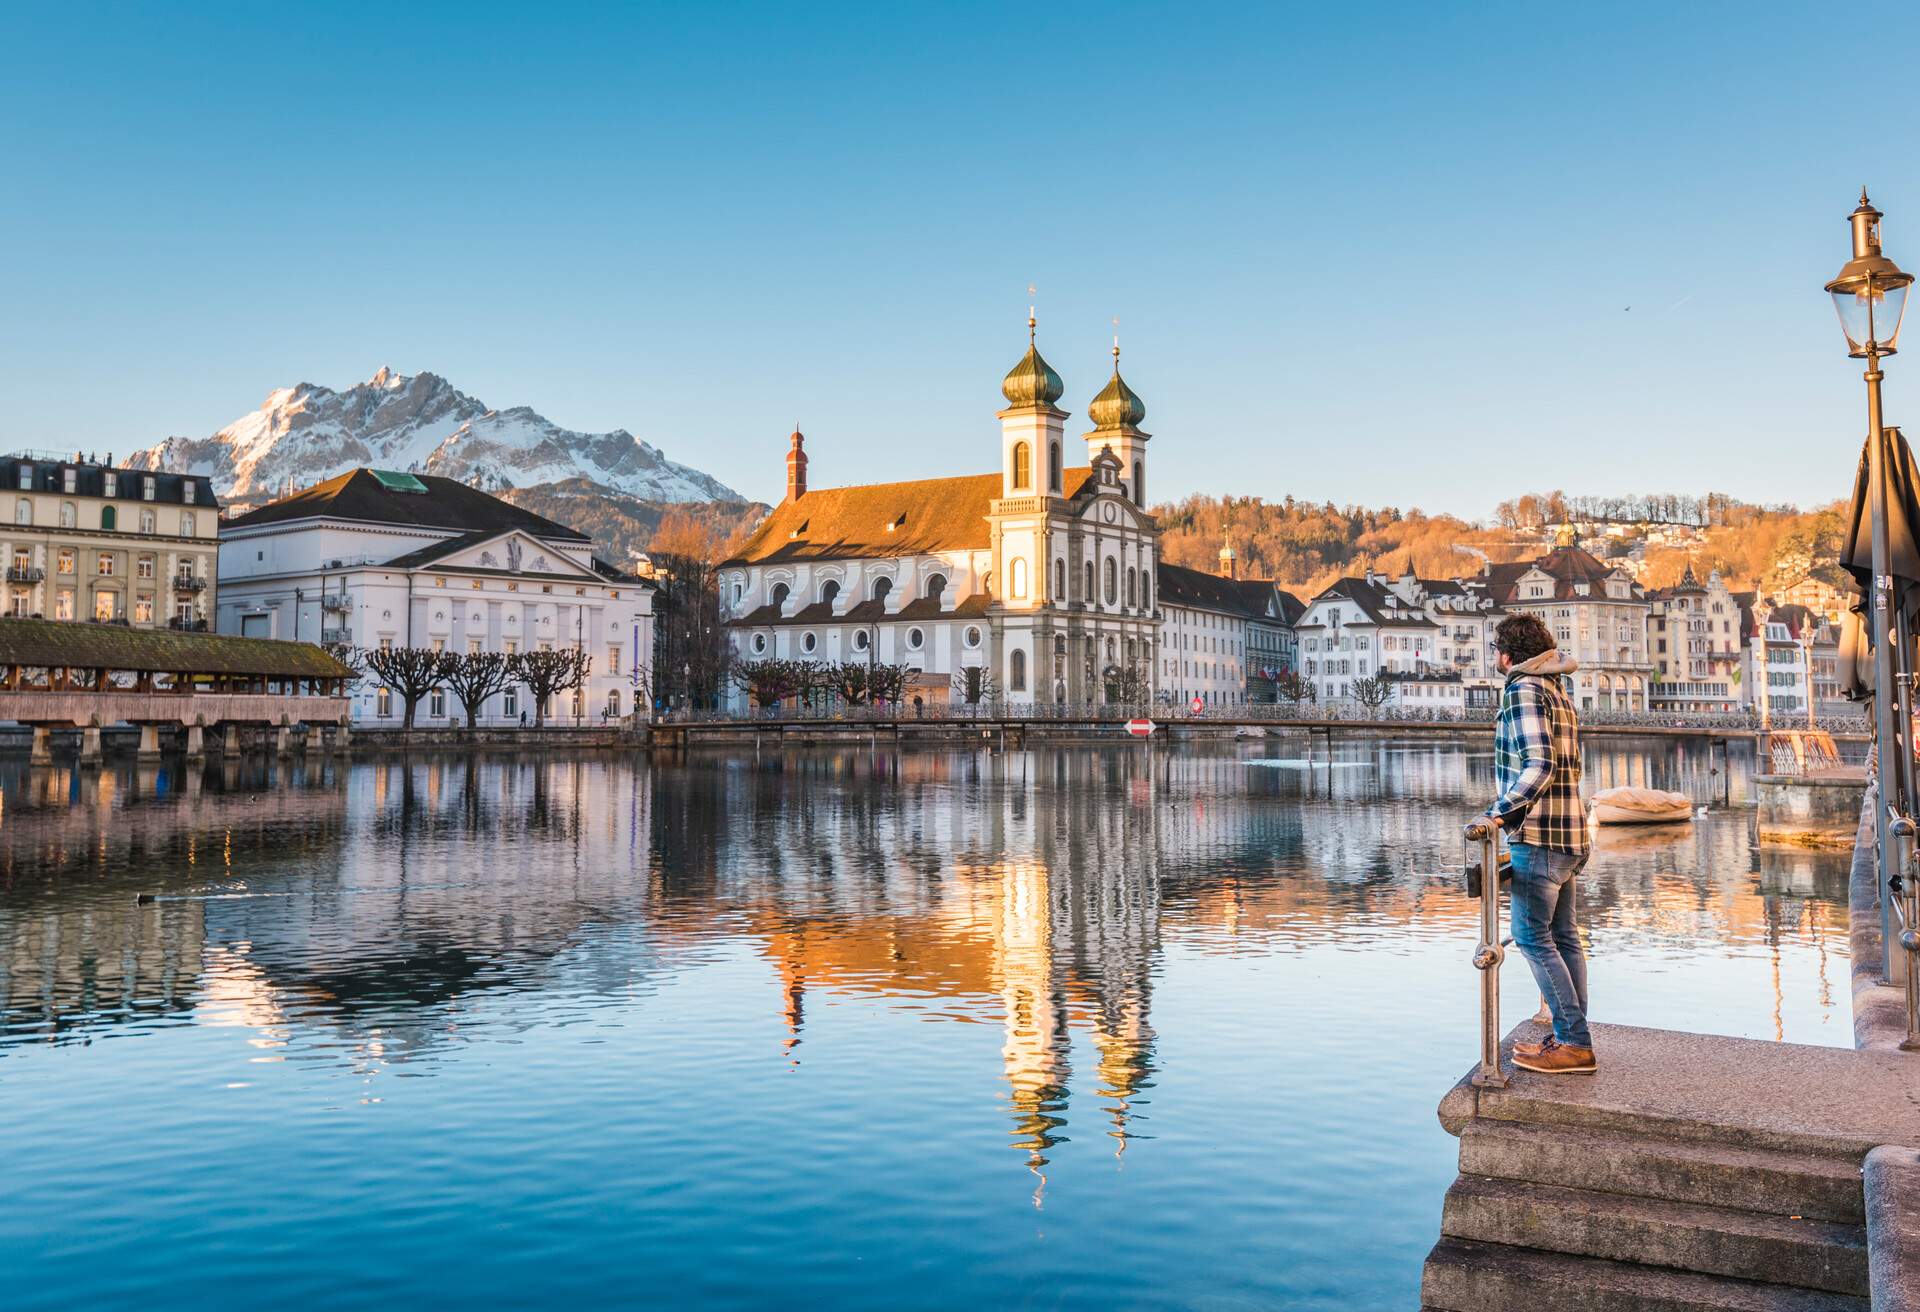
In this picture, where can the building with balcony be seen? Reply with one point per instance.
(85, 540)
(380, 559)
(1698, 633)
(1596, 613)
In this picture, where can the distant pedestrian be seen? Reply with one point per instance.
(1537, 770)
(523, 719)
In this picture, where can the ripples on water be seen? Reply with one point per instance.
(1076, 1027)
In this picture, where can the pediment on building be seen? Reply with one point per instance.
(510, 552)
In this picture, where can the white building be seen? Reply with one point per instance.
(1358, 628)
(378, 559)
(1041, 576)
(1203, 637)
(1597, 614)
(1697, 633)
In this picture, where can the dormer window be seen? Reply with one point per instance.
(112, 488)
(26, 477)
(146, 488)
(186, 492)
(799, 531)
(70, 481)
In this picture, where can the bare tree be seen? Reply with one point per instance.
(1372, 691)
(1292, 688)
(354, 658)
(477, 676)
(548, 672)
(412, 672)
(975, 684)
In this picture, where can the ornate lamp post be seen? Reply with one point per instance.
(1870, 294)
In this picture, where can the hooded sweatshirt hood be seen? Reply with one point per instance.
(1551, 661)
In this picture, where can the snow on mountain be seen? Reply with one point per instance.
(423, 424)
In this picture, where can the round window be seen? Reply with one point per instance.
(860, 640)
(915, 638)
(973, 636)
(807, 642)
(759, 644)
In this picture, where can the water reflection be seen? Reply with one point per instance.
(450, 920)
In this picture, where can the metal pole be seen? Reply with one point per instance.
(1489, 954)
(1885, 689)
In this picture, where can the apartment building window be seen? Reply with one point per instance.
(26, 478)
(103, 605)
(186, 491)
(386, 644)
(63, 606)
(66, 560)
(146, 521)
(510, 705)
(437, 702)
(109, 519)
(186, 526)
(143, 610)
(146, 488)
(383, 699)
(69, 516)
(112, 484)
(23, 511)
(613, 661)
(19, 605)
(69, 481)
(144, 567)
(103, 564)
(473, 646)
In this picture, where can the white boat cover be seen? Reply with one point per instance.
(1640, 806)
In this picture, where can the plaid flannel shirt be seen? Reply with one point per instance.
(1536, 765)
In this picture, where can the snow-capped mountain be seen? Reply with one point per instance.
(423, 424)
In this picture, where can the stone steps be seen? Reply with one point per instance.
(1715, 1241)
(1680, 1171)
(1464, 1276)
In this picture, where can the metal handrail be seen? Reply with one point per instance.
(1903, 899)
(1490, 951)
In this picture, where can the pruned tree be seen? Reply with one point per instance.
(1293, 688)
(1128, 685)
(767, 681)
(851, 683)
(548, 672)
(412, 672)
(354, 658)
(1372, 691)
(975, 684)
(887, 683)
(478, 675)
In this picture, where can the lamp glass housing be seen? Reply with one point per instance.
(1870, 311)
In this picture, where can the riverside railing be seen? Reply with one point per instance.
(1491, 950)
(1902, 894)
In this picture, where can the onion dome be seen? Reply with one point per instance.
(1032, 381)
(1117, 406)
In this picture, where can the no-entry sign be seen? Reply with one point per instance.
(1140, 728)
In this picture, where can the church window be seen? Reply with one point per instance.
(1113, 581)
(914, 639)
(1017, 577)
(1053, 468)
(1146, 592)
(1017, 671)
(936, 586)
(1060, 582)
(1139, 483)
(1089, 583)
(779, 595)
(829, 590)
(1022, 467)
(880, 589)
(1133, 576)
(808, 642)
(759, 644)
(859, 639)
(972, 636)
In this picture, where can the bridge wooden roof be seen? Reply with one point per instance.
(117, 647)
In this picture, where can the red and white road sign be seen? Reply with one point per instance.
(1197, 705)
(1140, 728)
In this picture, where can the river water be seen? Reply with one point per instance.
(1077, 1027)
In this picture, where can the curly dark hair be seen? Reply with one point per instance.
(1522, 637)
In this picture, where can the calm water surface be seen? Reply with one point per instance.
(1070, 1028)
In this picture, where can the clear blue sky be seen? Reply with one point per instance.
(1377, 254)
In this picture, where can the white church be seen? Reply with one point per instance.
(1040, 575)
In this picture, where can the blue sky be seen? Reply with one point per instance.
(1363, 253)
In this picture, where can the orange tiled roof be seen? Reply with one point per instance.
(928, 515)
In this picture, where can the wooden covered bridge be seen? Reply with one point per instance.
(55, 674)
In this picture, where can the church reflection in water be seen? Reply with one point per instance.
(387, 913)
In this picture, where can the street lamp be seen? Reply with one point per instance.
(1870, 294)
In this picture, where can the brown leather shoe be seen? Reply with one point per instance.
(1534, 1049)
(1560, 1059)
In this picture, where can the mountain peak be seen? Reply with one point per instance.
(420, 423)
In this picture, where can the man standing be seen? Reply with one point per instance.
(1536, 743)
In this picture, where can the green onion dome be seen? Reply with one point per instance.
(1032, 381)
(1117, 406)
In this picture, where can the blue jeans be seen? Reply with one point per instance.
(1545, 933)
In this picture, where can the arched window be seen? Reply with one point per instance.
(1017, 577)
(1133, 583)
(1139, 483)
(67, 514)
(186, 526)
(109, 518)
(146, 521)
(1060, 582)
(779, 595)
(1113, 581)
(1053, 468)
(880, 589)
(1022, 466)
(1017, 671)
(23, 511)
(1146, 591)
(613, 703)
(829, 590)
(936, 586)
(1090, 596)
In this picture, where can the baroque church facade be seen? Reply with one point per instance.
(1041, 576)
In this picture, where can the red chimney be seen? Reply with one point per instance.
(797, 468)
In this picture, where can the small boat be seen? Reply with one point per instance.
(1640, 806)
